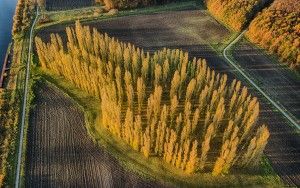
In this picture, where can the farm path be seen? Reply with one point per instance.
(276, 86)
(275, 78)
(61, 154)
(24, 105)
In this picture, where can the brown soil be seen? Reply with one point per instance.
(61, 154)
(67, 4)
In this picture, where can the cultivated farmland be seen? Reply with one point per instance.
(170, 31)
(186, 30)
(52, 5)
(60, 152)
(274, 78)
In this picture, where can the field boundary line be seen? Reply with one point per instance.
(232, 63)
(17, 181)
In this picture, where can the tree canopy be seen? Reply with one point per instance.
(277, 29)
(234, 13)
(22, 16)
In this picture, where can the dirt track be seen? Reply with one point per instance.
(192, 31)
(61, 154)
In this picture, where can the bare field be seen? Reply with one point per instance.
(60, 152)
(67, 4)
(176, 29)
(275, 78)
(194, 31)
(284, 146)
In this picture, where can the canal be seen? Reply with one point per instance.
(7, 9)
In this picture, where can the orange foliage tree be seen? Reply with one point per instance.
(235, 13)
(277, 29)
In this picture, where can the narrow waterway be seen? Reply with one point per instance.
(7, 9)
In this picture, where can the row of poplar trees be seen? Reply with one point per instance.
(164, 104)
(235, 13)
(126, 4)
(277, 29)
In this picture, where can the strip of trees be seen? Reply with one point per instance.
(235, 13)
(277, 29)
(164, 105)
(8, 132)
(22, 16)
(126, 4)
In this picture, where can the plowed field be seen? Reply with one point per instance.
(61, 154)
(67, 4)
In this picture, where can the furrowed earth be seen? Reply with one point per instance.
(61, 153)
(52, 5)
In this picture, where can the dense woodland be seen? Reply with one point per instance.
(22, 16)
(163, 105)
(278, 29)
(235, 13)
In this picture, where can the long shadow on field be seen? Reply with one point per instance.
(61, 154)
(52, 5)
(274, 78)
(192, 31)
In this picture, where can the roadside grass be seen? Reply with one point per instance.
(88, 14)
(15, 87)
(152, 168)
(20, 77)
(16, 81)
(219, 46)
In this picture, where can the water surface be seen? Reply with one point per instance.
(7, 9)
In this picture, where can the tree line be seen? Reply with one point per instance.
(277, 29)
(126, 4)
(9, 109)
(22, 16)
(235, 13)
(165, 105)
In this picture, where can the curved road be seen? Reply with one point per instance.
(252, 82)
(23, 115)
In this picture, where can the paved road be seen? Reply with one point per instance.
(23, 115)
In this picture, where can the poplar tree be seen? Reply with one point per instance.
(141, 92)
(192, 162)
(206, 146)
(256, 147)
